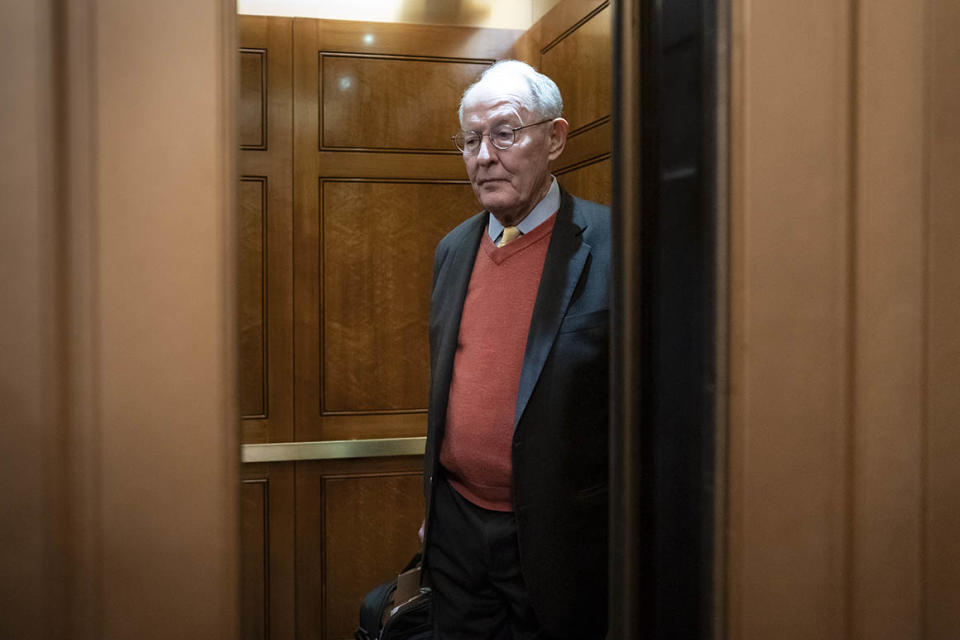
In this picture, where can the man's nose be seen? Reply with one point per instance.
(486, 153)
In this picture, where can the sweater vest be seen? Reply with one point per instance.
(477, 440)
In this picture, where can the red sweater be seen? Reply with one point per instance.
(476, 449)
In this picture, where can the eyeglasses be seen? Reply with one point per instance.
(502, 137)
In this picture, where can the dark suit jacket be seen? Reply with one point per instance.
(560, 435)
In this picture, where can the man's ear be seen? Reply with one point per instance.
(558, 137)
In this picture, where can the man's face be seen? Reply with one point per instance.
(509, 182)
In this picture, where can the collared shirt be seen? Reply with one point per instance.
(544, 209)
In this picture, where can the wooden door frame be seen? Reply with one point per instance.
(121, 454)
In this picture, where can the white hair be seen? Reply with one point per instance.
(544, 100)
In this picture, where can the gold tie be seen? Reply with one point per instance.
(509, 235)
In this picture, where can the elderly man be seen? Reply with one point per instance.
(516, 462)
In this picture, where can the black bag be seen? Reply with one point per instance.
(383, 619)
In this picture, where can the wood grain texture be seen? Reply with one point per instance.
(364, 530)
(579, 62)
(267, 530)
(374, 425)
(265, 287)
(540, 7)
(340, 323)
(526, 47)
(350, 164)
(590, 181)
(306, 231)
(371, 533)
(252, 111)
(410, 39)
(251, 297)
(576, 38)
(585, 146)
(378, 241)
(254, 559)
(422, 94)
(562, 17)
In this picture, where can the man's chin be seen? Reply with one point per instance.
(495, 204)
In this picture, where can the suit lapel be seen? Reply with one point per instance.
(566, 258)
(454, 278)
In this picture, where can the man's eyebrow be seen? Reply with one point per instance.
(505, 119)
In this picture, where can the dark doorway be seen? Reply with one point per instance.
(668, 322)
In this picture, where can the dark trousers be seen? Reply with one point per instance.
(473, 566)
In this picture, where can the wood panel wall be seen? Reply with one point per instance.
(571, 44)
(336, 255)
(265, 229)
(844, 321)
(377, 184)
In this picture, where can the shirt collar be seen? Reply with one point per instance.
(544, 209)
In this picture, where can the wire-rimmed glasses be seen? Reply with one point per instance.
(502, 137)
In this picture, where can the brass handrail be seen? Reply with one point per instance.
(333, 449)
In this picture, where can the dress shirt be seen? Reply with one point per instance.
(544, 209)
